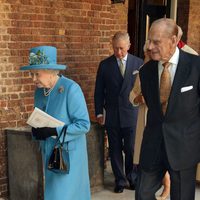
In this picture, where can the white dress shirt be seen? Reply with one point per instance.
(124, 60)
(172, 67)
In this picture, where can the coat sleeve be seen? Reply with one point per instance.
(77, 112)
(99, 94)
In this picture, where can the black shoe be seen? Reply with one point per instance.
(118, 189)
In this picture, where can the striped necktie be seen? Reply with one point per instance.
(165, 86)
(121, 67)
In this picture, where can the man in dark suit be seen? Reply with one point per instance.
(114, 81)
(171, 140)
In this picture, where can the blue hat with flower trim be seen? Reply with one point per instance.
(43, 57)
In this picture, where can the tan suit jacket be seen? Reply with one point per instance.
(141, 120)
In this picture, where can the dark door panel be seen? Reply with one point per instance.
(145, 12)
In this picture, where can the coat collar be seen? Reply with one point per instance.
(154, 82)
(181, 75)
(127, 74)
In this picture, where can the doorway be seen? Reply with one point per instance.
(141, 14)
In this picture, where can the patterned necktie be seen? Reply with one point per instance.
(165, 86)
(121, 67)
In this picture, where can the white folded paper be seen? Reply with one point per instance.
(39, 118)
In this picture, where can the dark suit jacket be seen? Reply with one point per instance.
(112, 91)
(180, 127)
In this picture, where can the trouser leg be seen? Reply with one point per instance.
(183, 184)
(148, 183)
(116, 157)
(128, 146)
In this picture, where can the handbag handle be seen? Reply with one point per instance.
(63, 131)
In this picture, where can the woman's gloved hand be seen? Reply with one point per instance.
(43, 133)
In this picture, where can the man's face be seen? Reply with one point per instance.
(161, 47)
(120, 48)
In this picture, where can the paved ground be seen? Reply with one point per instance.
(108, 194)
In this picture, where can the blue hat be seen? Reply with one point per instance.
(43, 57)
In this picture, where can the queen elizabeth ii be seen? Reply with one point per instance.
(63, 99)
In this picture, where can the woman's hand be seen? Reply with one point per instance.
(43, 133)
(139, 100)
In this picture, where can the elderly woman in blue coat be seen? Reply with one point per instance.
(63, 99)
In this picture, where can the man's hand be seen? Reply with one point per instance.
(43, 133)
(100, 120)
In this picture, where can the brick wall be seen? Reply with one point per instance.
(81, 31)
(188, 18)
(194, 25)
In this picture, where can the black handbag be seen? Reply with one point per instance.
(59, 159)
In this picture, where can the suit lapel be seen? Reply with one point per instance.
(181, 75)
(154, 83)
(114, 71)
(127, 75)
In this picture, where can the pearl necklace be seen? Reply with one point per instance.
(48, 91)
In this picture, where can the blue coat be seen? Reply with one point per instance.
(66, 103)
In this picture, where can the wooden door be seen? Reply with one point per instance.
(140, 16)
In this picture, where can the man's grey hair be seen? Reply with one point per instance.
(169, 25)
(121, 36)
(180, 32)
